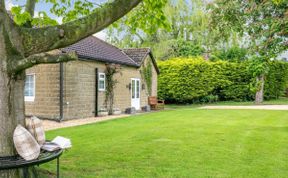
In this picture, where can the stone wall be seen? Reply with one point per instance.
(79, 89)
(46, 103)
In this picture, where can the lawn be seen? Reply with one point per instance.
(179, 143)
(279, 101)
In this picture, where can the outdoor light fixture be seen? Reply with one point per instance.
(128, 86)
(143, 87)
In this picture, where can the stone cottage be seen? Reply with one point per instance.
(77, 89)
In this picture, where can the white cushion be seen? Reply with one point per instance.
(34, 126)
(25, 144)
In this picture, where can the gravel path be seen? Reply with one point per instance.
(52, 125)
(263, 107)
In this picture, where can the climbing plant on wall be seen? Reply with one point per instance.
(111, 82)
(147, 76)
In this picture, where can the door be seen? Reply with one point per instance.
(135, 93)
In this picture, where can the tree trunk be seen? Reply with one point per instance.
(20, 48)
(11, 114)
(11, 100)
(260, 89)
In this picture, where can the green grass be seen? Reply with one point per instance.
(180, 143)
(280, 101)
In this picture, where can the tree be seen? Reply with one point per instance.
(27, 40)
(187, 25)
(185, 22)
(263, 22)
(233, 54)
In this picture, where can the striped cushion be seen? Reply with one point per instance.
(34, 126)
(25, 144)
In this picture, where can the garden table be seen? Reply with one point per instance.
(16, 162)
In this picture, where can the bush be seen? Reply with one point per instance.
(276, 80)
(191, 80)
(185, 80)
(210, 99)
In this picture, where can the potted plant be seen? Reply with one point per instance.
(103, 112)
(116, 111)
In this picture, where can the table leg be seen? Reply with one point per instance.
(25, 172)
(58, 169)
(35, 173)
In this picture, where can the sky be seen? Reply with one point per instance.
(42, 6)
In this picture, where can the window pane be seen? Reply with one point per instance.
(26, 91)
(101, 84)
(29, 86)
(102, 76)
(133, 89)
(137, 89)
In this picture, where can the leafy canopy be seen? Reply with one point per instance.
(186, 32)
(263, 22)
(147, 13)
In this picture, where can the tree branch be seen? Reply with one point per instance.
(37, 40)
(51, 57)
(138, 35)
(30, 7)
(2, 5)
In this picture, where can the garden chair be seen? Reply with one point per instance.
(155, 103)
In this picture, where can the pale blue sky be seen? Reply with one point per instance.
(39, 6)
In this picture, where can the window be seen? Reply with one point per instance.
(30, 87)
(137, 88)
(101, 82)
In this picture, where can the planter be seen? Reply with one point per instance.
(146, 108)
(117, 112)
(131, 110)
(103, 113)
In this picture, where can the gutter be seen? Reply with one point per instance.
(96, 92)
(61, 92)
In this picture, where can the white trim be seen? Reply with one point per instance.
(31, 98)
(101, 89)
(136, 98)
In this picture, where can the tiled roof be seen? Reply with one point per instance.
(92, 48)
(137, 54)
(140, 54)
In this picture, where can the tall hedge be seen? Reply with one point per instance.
(276, 80)
(189, 80)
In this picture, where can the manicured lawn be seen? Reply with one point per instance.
(280, 101)
(180, 143)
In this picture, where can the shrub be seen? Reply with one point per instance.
(190, 80)
(210, 99)
(185, 80)
(276, 80)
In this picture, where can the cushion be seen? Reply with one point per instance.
(34, 126)
(25, 144)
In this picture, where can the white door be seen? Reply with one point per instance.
(135, 93)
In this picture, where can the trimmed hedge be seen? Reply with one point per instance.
(192, 80)
(276, 80)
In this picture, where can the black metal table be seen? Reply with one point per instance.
(16, 162)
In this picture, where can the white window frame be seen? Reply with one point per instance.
(101, 79)
(31, 98)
